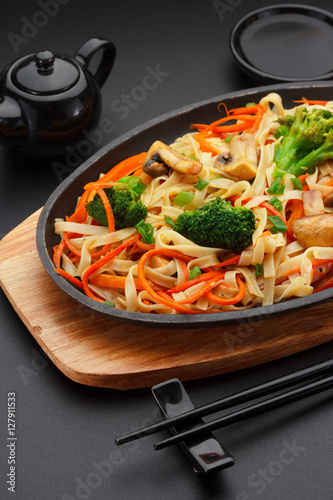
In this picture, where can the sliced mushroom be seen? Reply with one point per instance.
(314, 230)
(313, 202)
(242, 161)
(155, 167)
(328, 201)
(160, 157)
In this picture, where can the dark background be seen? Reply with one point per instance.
(66, 430)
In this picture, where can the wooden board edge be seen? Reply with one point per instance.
(141, 380)
(18, 233)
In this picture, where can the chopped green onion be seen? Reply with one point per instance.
(228, 139)
(249, 104)
(146, 230)
(276, 187)
(201, 184)
(194, 273)
(276, 203)
(183, 198)
(169, 221)
(278, 173)
(278, 225)
(258, 270)
(297, 183)
(107, 303)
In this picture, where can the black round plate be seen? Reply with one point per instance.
(284, 43)
(165, 128)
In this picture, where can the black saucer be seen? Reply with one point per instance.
(285, 43)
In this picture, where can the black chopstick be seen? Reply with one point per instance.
(277, 384)
(256, 409)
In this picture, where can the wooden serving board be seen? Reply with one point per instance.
(93, 350)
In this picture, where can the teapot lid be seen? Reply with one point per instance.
(45, 74)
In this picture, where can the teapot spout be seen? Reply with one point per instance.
(12, 124)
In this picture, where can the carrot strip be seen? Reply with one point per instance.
(162, 294)
(69, 245)
(224, 106)
(137, 172)
(77, 252)
(311, 101)
(80, 213)
(321, 262)
(329, 183)
(221, 130)
(234, 198)
(199, 126)
(257, 108)
(106, 248)
(297, 210)
(200, 279)
(156, 296)
(124, 168)
(303, 177)
(58, 253)
(291, 271)
(108, 209)
(315, 263)
(203, 290)
(69, 277)
(112, 281)
(229, 262)
(237, 127)
(223, 120)
(256, 124)
(274, 211)
(184, 269)
(104, 260)
(205, 146)
(145, 246)
(246, 118)
(324, 286)
(234, 300)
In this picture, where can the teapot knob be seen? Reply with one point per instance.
(44, 60)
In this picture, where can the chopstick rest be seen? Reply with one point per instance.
(205, 453)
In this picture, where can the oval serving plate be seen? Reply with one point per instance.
(166, 128)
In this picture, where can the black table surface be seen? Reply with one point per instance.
(65, 431)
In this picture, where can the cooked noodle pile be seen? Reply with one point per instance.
(173, 275)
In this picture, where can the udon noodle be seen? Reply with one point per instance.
(118, 268)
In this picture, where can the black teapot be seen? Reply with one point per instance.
(48, 99)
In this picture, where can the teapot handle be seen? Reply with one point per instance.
(88, 49)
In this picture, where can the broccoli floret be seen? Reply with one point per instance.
(306, 141)
(316, 156)
(127, 209)
(218, 224)
(135, 184)
(285, 123)
(137, 211)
